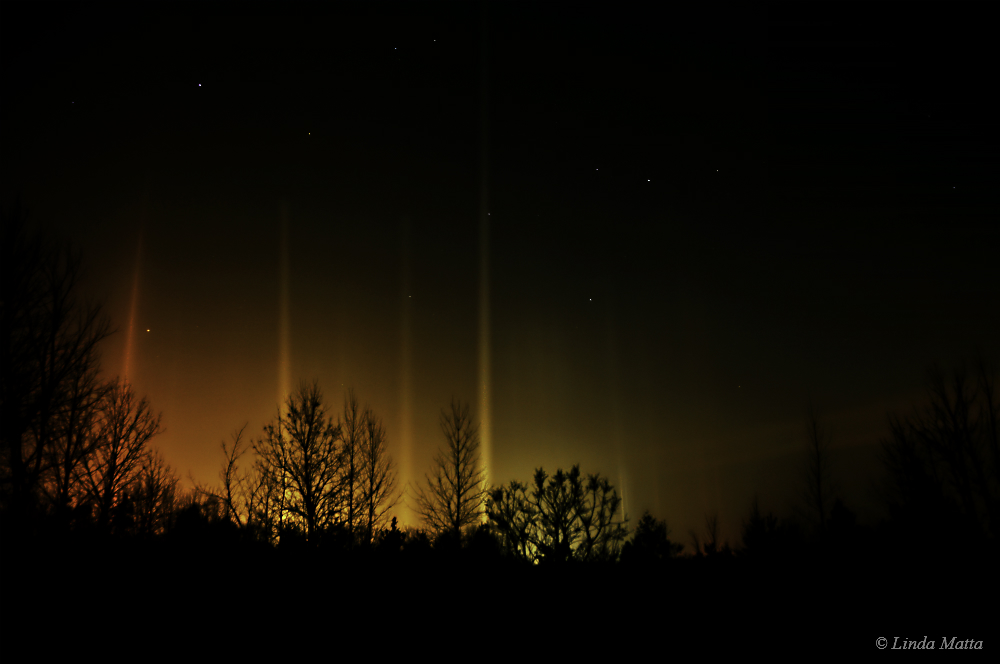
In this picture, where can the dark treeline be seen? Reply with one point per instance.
(306, 505)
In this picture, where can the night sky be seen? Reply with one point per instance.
(696, 223)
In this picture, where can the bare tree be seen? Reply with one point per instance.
(126, 425)
(943, 461)
(153, 496)
(352, 437)
(64, 484)
(818, 489)
(377, 477)
(48, 352)
(235, 496)
(247, 498)
(299, 459)
(710, 545)
(761, 533)
(455, 495)
(256, 496)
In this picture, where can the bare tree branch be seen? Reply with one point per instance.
(455, 492)
(943, 460)
(298, 455)
(125, 428)
(48, 361)
(377, 477)
(818, 490)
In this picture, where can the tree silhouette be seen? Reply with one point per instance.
(77, 439)
(556, 502)
(237, 494)
(564, 517)
(377, 477)
(48, 363)
(300, 463)
(310, 475)
(943, 461)
(126, 425)
(252, 500)
(602, 536)
(455, 495)
(766, 537)
(710, 546)
(512, 515)
(650, 542)
(352, 436)
(153, 496)
(818, 494)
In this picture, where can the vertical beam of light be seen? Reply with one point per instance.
(711, 482)
(718, 491)
(406, 404)
(284, 324)
(485, 378)
(657, 500)
(129, 360)
(615, 390)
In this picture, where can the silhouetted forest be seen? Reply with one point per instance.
(303, 510)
